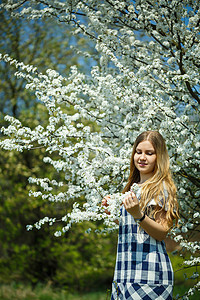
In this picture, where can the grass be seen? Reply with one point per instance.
(40, 292)
(25, 292)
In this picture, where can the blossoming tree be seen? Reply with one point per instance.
(147, 78)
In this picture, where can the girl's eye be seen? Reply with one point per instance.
(147, 153)
(138, 152)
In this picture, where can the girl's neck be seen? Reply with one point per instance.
(144, 177)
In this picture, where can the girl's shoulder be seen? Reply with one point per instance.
(162, 198)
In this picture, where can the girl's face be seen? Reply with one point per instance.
(145, 158)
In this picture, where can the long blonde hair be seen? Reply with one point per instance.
(160, 184)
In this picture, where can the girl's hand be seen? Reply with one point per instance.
(105, 203)
(131, 204)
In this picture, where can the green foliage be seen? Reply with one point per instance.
(77, 261)
(86, 261)
(181, 270)
(180, 284)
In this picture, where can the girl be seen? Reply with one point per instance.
(143, 269)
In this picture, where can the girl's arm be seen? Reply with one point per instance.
(157, 229)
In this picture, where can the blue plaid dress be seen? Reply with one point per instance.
(143, 269)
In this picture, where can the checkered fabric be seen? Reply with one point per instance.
(137, 291)
(143, 269)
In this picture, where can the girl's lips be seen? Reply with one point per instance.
(142, 164)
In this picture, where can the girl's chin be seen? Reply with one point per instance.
(145, 171)
(142, 167)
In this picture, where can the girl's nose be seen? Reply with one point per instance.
(143, 156)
